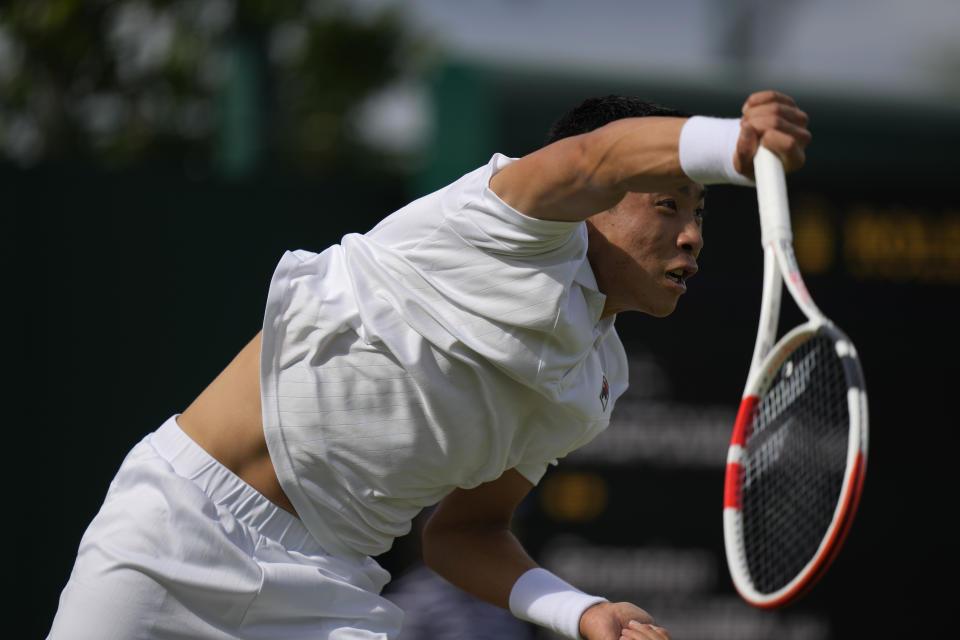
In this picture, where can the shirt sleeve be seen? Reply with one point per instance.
(481, 218)
(534, 471)
(464, 269)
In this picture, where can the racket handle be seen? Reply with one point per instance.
(772, 197)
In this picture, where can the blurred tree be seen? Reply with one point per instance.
(228, 85)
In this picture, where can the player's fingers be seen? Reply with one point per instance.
(767, 96)
(779, 113)
(640, 631)
(663, 635)
(787, 147)
(790, 139)
(764, 122)
(776, 115)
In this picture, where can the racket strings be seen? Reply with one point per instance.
(794, 464)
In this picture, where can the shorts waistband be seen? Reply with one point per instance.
(189, 460)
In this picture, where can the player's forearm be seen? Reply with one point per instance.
(485, 562)
(635, 154)
(577, 177)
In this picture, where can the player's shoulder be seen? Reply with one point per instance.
(476, 217)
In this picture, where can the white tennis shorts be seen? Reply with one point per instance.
(182, 548)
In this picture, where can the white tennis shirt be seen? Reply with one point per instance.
(457, 339)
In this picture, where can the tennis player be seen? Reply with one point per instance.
(449, 355)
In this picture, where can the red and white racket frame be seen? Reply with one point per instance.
(780, 266)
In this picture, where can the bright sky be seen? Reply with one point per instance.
(900, 48)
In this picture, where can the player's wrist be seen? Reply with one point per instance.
(543, 598)
(707, 149)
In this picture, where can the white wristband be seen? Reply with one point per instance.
(540, 597)
(707, 146)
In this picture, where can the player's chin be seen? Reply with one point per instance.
(664, 308)
(666, 303)
(663, 314)
(658, 302)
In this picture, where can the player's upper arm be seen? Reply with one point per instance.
(488, 505)
(579, 176)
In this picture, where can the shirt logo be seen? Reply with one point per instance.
(604, 393)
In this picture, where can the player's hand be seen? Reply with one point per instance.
(774, 120)
(616, 620)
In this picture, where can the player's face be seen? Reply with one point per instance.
(644, 249)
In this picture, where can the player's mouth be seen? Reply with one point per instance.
(679, 276)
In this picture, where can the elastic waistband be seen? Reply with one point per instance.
(189, 460)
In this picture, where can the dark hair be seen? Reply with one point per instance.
(593, 113)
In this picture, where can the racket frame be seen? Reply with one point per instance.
(780, 267)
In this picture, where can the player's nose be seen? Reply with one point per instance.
(690, 239)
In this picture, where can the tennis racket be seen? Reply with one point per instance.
(798, 454)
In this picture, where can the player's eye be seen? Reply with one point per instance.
(668, 203)
(698, 214)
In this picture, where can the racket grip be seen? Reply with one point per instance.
(772, 197)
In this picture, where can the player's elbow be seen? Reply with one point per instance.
(444, 540)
